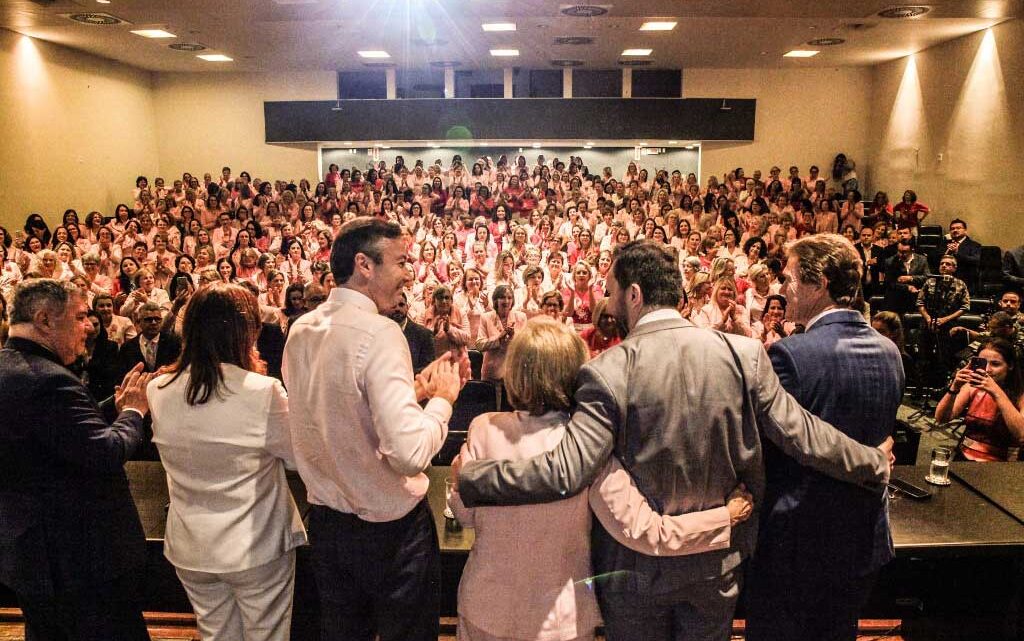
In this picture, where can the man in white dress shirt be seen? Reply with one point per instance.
(362, 442)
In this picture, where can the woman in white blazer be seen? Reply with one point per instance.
(221, 428)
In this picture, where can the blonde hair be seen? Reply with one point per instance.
(541, 366)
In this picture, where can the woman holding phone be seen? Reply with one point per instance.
(989, 394)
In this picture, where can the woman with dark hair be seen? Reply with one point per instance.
(219, 422)
(226, 270)
(909, 212)
(772, 327)
(852, 211)
(295, 266)
(36, 226)
(100, 369)
(990, 399)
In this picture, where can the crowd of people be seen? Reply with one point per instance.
(224, 288)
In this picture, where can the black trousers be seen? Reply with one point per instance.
(376, 578)
(792, 606)
(103, 612)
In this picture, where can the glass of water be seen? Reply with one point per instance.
(449, 485)
(938, 474)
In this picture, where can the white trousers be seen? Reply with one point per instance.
(251, 605)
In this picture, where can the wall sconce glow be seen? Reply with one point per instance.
(30, 67)
(658, 25)
(153, 33)
(800, 53)
(637, 52)
(504, 53)
(373, 53)
(981, 137)
(498, 26)
(215, 57)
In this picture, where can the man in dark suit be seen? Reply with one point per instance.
(681, 408)
(871, 256)
(1013, 267)
(821, 541)
(905, 273)
(152, 347)
(967, 252)
(71, 543)
(421, 341)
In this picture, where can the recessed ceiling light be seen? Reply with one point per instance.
(590, 143)
(504, 53)
(499, 26)
(588, 146)
(536, 145)
(658, 25)
(691, 147)
(800, 53)
(153, 33)
(637, 52)
(348, 143)
(103, 1)
(904, 12)
(373, 53)
(214, 57)
(385, 146)
(826, 42)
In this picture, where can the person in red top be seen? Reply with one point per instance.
(909, 212)
(604, 334)
(990, 401)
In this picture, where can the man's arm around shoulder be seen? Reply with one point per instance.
(565, 470)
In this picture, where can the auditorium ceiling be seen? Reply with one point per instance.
(280, 35)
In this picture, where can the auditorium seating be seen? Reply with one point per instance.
(476, 398)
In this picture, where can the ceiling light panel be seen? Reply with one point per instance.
(499, 26)
(637, 52)
(215, 57)
(153, 33)
(800, 53)
(658, 25)
(373, 53)
(504, 53)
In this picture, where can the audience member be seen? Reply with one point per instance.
(153, 347)
(941, 300)
(967, 252)
(905, 274)
(990, 397)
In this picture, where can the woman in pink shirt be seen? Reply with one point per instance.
(496, 330)
(852, 211)
(527, 576)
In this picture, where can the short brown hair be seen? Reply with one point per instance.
(541, 366)
(833, 257)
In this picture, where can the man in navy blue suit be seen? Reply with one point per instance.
(71, 543)
(821, 542)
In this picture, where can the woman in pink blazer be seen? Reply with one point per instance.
(496, 330)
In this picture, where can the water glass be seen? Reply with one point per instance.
(938, 474)
(449, 486)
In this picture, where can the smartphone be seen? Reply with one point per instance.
(909, 489)
(978, 364)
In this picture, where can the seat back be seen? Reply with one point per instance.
(476, 398)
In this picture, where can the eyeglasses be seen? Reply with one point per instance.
(152, 319)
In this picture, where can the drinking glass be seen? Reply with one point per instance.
(938, 474)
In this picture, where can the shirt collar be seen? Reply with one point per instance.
(666, 313)
(820, 315)
(352, 297)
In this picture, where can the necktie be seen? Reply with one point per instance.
(149, 354)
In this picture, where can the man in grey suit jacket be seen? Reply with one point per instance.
(683, 409)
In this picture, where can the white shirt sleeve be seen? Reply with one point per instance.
(409, 436)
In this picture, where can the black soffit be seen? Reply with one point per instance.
(474, 119)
